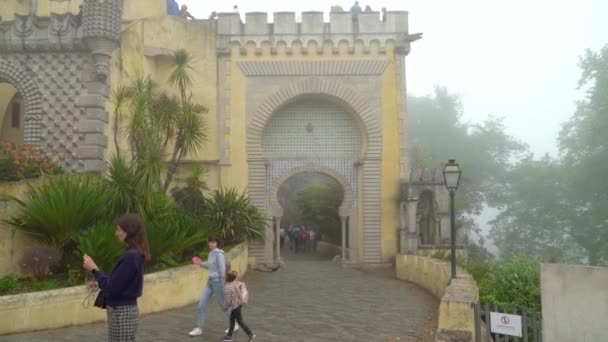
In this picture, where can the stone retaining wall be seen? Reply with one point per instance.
(64, 307)
(456, 309)
(12, 243)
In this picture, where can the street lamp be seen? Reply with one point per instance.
(451, 177)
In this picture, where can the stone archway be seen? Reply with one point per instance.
(421, 182)
(366, 169)
(346, 210)
(18, 77)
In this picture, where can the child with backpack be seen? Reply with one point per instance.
(235, 296)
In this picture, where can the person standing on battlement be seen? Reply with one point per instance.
(172, 7)
(185, 14)
(355, 11)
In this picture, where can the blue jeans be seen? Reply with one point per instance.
(214, 287)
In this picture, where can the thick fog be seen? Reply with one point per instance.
(516, 59)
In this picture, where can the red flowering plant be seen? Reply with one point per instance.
(24, 161)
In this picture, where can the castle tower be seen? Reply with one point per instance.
(315, 96)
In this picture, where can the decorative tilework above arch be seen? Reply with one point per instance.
(368, 116)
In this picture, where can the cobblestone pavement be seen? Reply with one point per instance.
(309, 300)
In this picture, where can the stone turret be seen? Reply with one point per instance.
(101, 22)
(341, 28)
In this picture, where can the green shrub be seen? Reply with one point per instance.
(59, 208)
(507, 282)
(190, 198)
(45, 285)
(10, 285)
(162, 208)
(171, 236)
(75, 276)
(234, 216)
(479, 271)
(100, 243)
(513, 282)
(442, 254)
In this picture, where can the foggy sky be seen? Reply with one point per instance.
(514, 59)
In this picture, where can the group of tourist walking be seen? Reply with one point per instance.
(120, 290)
(299, 239)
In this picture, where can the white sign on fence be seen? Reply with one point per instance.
(505, 324)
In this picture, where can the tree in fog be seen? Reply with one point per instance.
(584, 149)
(558, 209)
(318, 204)
(535, 216)
(437, 132)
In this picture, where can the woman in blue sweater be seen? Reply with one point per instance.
(125, 283)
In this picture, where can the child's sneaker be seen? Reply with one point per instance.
(196, 332)
(227, 339)
(236, 327)
(251, 337)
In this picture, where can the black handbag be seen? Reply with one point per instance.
(100, 301)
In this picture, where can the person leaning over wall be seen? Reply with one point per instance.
(121, 288)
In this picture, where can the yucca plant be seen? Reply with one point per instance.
(234, 216)
(190, 127)
(133, 187)
(162, 126)
(59, 208)
(101, 244)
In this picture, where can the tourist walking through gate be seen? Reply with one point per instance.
(295, 237)
(282, 237)
(312, 236)
(235, 296)
(216, 264)
(121, 288)
(304, 240)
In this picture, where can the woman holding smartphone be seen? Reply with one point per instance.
(125, 283)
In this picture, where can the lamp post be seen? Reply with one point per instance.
(451, 177)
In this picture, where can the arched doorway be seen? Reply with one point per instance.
(427, 219)
(312, 134)
(340, 113)
(12, 112)
(311, 200)
(346, 211)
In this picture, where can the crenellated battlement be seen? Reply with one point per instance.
(312, 28)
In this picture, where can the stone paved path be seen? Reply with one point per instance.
(308, 301)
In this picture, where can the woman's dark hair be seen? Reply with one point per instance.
(216, 240)
(231, 276)
(136, 238)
